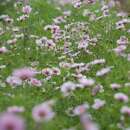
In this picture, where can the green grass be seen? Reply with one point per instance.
(27, 96)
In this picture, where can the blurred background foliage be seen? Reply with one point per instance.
(6, 5)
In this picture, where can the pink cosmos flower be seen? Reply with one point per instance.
(103, 71)
(14, 81)
(22, 18)
(3, 50)
(97, 61)
(42, 112)
(47, 72)
(125, 110)
(24, 73)
(97, 89)
(67, 13)
(8, 20)
(121, 97)
(115, 86)
(121, 14)
(56, 71)
(59, 20)
(77, 4)
(81, 109)
(67, 87)
(35, 82)
(98, 103)
(120, 25)
(122, 41)
(27, 9)
(87, 123)
(120, 49)
(10, 121)
(86, 81)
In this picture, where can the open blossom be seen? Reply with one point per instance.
(7, 19)
(122, 41)
(115, 86)
(67, 87)
(125, 110)
(67, 13)
(27, 9)
(35, 82)
(103, 71)
(14, 81)
(120, 49)
(43, 112)
(22, 17)
(56, 71)
(45, 42)
(87, 123)
(121, 97)
(98, 103)
(97, 89)
(81, 109)
(3, 50)
(97, 61)
(10, 121)
(77, 4)
(120, 25)
(59, 20)
(24, 73)
(47, 72)
(86, 81)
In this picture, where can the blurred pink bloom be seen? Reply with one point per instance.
(35, 82)
(68, 87)
(56, 71)
(42, 112)
(47, 72)
(120, 49)
(122, 41)
(125, 110)
(103, 71)
(87, 123)
(97, 89)
(22, 18)
(81, 109)
(121, 97)
(115, 86)
(3, 50)
(10, 121)
(98, 103)
(24, 73)
(27, 9)
(86, 81)
(14, 81)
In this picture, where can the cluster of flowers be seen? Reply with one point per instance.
(45, 42)
(27, 75)
(11, 120)
(75, 36)
(23, 75)
(26, 11)
(122, 46)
